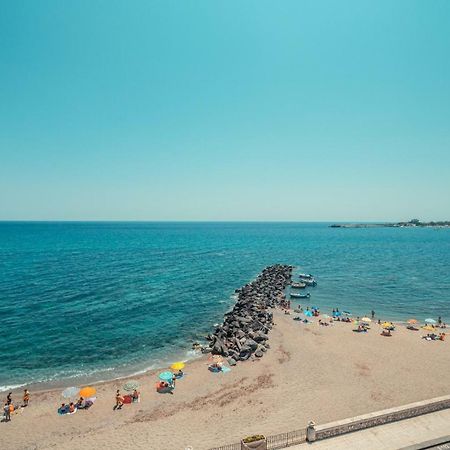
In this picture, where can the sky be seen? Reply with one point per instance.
(211, 110)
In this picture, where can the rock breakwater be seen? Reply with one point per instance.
(244, 331)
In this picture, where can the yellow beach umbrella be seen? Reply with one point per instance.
(177, 366)
(87, 392)
(366, 319)
(387, 325)
(428, 328)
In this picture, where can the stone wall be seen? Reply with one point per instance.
(381, 417)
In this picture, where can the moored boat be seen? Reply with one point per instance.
(294, 295)
(300, 285)
(306, 276)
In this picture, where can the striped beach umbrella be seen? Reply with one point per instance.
(130, 386)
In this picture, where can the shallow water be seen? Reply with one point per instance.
(106, 299)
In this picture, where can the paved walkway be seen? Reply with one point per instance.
(392, 436)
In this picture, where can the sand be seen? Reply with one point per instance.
(311, 372)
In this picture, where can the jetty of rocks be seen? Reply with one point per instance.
(244, 331)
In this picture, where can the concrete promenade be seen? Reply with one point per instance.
(392, 436)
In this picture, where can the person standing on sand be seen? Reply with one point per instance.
(7, 411)
(8, 398)
(119, 400)
(26, 398)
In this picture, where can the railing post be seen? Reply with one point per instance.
(311, 432)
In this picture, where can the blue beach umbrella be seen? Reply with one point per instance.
(166, 376)
(70, 392)
(314, 307)
(338, 314)
(308, 314)
(432, 321)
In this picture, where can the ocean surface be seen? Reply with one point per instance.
(95, 301)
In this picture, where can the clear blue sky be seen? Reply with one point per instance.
(225, 110)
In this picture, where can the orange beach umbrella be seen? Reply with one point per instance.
(412, 321)
(87, 392)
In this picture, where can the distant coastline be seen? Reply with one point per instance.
(414, 223)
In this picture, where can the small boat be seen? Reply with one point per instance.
(294, 295)
(298, 285)
(309, 282)
(306, 276)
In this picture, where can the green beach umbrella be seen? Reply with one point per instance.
(130, 386)
(166, 376)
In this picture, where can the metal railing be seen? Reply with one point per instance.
(275, 441)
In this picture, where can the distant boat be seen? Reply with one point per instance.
(294, 295)
(298, 285)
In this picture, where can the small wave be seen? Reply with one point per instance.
(11, 387)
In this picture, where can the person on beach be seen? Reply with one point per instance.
(119, 400)
(8, 398)
(26, 398)
(439, 320)
(7, 412)
(80, 403)
(71, 407)
(373, 314)
(135, 396)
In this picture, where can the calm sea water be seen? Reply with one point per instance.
(101, 300)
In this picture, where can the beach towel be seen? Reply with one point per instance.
(66, 413)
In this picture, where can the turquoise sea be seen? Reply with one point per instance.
(91, 301)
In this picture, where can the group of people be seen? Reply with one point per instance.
(120, 399)
(434, 337)
(9, 407)
(81, 403)
(169, 385)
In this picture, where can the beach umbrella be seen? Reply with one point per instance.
(366, 319)
(348, 313)
(177, 366)
(314, 307)
(337, 314)
(87, 391)
(166, 376)
(130, 386)
(387, 325)
(308, 314)
(428, 328)
(430, 321)
(70, 392)
(412, 321)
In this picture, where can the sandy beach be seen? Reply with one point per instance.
(310, 372)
